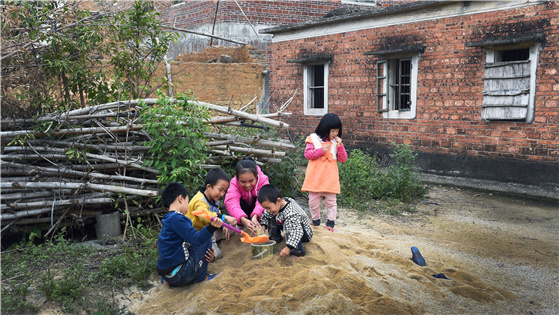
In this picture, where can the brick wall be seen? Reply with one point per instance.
(450, 86)
(194, 13)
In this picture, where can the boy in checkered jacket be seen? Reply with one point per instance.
(285, 213)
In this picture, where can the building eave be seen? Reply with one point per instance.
(353, 16)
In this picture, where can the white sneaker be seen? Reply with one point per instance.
(217, 252)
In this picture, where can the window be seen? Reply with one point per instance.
(509, 83)
(396, 88)
(316, 89)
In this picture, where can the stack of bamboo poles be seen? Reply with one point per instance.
(66, 176)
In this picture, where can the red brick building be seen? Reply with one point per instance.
(472, 86)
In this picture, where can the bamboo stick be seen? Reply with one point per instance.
(216, 143)
(83, 186)
(127, 163)
(29, 196)
(222, 120)
(251, 151)
(60, 203)
(225, 110)
(65, 171)
(247, 140)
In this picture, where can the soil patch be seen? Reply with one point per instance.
(500, 253)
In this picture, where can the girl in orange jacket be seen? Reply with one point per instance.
(324, 150)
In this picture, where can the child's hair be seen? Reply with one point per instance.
(328, 122)
(246, 165)
(214, 175)
(171, 192)
(269, 193)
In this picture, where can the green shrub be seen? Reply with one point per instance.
(14, 297)
(363, 182)
(67, 288)
(406, 186)
(287, 175)
(176, 148)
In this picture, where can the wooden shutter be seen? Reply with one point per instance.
(506, 90)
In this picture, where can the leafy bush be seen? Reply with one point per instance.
(287, 175)
(67, 288)
(14, 298)
(363, 181)
(406, 186)
(178, 145)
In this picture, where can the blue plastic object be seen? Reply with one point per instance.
(416, 256)
(441, 276)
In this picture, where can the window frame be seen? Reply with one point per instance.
(308, 109)
(385, 91)
(493, 55)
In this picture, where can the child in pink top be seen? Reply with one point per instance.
(241, 200)
(324, 150)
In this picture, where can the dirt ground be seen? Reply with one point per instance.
(500, 252)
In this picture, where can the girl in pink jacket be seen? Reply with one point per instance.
(241, 200)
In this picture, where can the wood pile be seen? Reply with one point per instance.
(65, 176)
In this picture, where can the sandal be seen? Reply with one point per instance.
(329, 228)
(211, 276)
(165, 283)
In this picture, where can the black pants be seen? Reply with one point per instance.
(277, 231)
(247, 208)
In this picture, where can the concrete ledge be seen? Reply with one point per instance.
(507, 188)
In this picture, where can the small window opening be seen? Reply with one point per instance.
(316, 86)
(514, 55)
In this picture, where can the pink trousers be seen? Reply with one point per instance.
(329, 200)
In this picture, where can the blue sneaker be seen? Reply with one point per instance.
(211, 276)
(416, 256)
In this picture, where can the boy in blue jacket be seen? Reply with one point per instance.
(184, 252)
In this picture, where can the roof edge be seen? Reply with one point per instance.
(358, 15)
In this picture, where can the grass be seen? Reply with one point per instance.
(73, 277)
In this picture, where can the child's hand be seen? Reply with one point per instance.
(325, 147)
(248, 224)
(210, 255)
(338, 141)
(285, 252)
(217, 222)
(256, 221)
(227, 233)
(257, 228)
(251, 225)
(231, 220)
